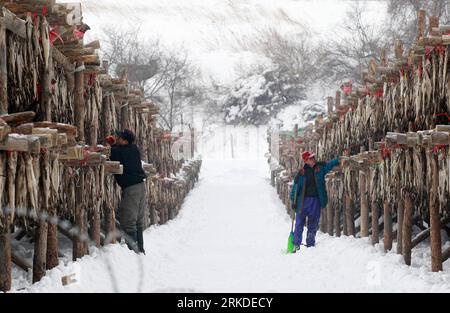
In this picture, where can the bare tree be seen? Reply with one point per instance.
(402, 17)
(357, 42)
(140, 58)
(164, 75)
(179, 90)
(145, 60)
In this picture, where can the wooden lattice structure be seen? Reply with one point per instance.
(394, 131)
(57, 104)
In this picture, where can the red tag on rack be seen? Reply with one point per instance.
(78, 34)
(54, 35)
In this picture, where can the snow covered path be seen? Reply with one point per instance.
(230, 237)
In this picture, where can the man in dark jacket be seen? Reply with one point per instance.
(133, 203)
(309, 196)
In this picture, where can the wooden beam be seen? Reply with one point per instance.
(16, 119)
(423, 235)
(65, 232)
(445, 255)
(113, 167)
(14, 24)
(21, 263)
(21, 143)
(62, 128)
(72, 153)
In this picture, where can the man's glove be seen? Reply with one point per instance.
(110, 140)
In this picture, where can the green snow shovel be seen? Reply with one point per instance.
(290, 246)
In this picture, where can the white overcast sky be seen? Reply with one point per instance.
(209, 29)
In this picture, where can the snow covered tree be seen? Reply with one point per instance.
(258, 96)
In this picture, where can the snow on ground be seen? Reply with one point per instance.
(231, 235)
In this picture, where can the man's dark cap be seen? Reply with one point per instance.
(126, 134)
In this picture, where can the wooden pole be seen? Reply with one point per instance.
(433, 23)
(52, 240)
(41, 232)
(364, 205)
(47, 75)
(400, 218)
(330, 210)
(5, 237)
(407, 228)
(349, 213)
(110, 223)
(344, 215)
(3, 69)
(330, 103)
(78, 246)
(421, 19)
(40, 251)
(435, 223)
(79, 101)
(5, 258)
(323, 220)
(387, 226)
(52, 229)
(95, 216)
(375, 216)
(95, 227)
(337, 214)
(337, 99)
